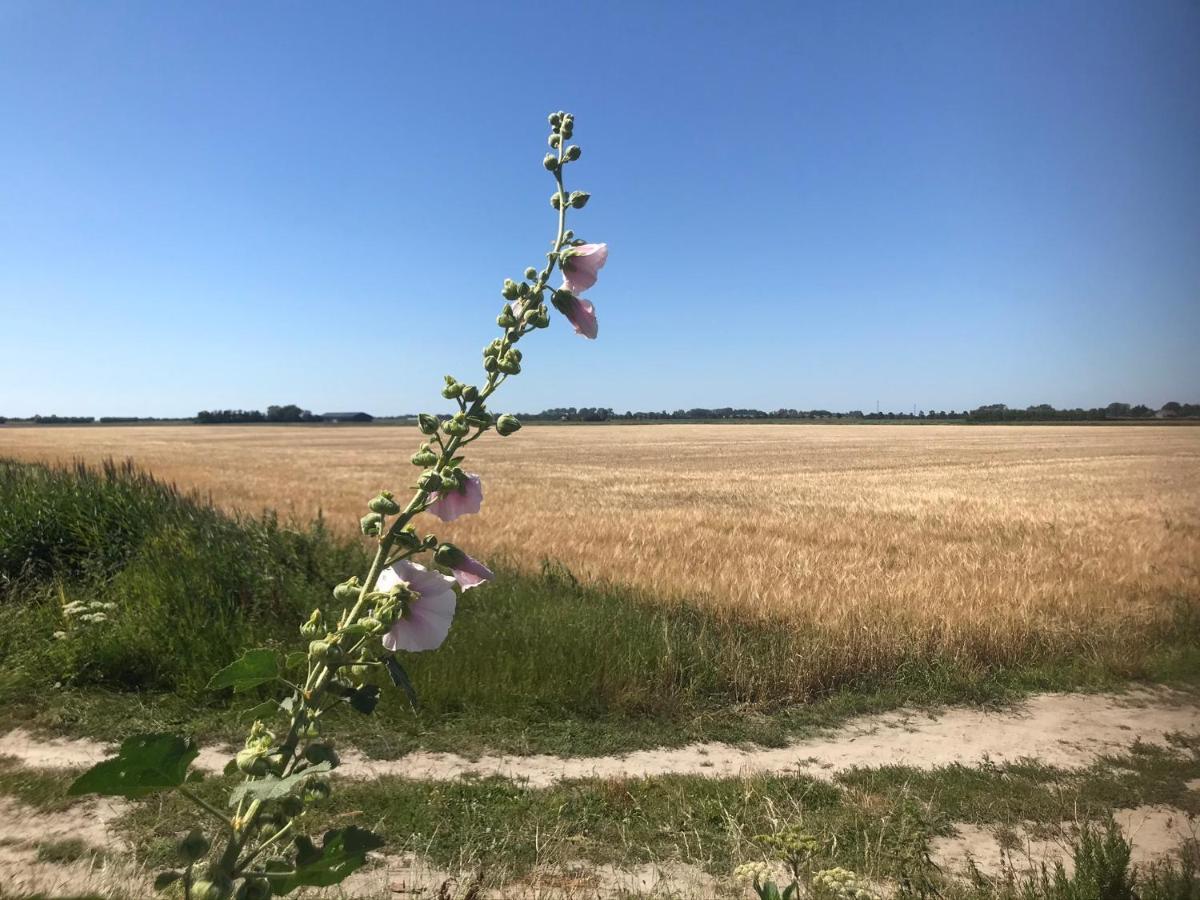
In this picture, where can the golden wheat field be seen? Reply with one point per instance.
(985, 541)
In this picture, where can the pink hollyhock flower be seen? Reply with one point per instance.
(426, 620)
(468, 572)
(582, 315)
(580, 266)
(448, 505)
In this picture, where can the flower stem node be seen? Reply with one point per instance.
(507, 424)
(371, 524)
(427, 423)
(384, 504)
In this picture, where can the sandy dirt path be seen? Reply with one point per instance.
(1063, 730)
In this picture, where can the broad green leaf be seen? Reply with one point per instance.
(145, 763)
(341, 852)
(254, 668)
(272, 787)
(295, 660)
(260, 710)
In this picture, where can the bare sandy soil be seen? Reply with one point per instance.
(1064, 730)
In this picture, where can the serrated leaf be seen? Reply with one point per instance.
(266, 708)
(342, 851)
(145, 763)
(401, 680)
(272, 787)
(254, 668)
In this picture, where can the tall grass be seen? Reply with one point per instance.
(191, 586)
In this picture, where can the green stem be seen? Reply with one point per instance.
(207, 807)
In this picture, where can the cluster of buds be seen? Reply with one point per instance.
(841, 884)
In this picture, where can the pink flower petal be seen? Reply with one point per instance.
(471, 573)
(461, 501)
(427, 621)
(582, 314)
(581, 267)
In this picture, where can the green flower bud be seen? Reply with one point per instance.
(531, 273)
(494, 348)
(323, 651)
(316, 789)
(424, 457)
(506, 425)
(510, 364)
(252, 762)
(541, 319)
(320, 752)
(254, 889)
(470, 393)
(506, 319)
(314, 626)
(554, 140)
(448, 555)
(490, 364)
(573, 153)
(579, 199)
(384, 504)
(348, 590)
(371, 624)
(371, 524)
(430, 481)
(427, 423)
(218, 887)
(456, 426)
(550, 162)
(452, 388)
(555, 119)
(407, 537)
(481, 419)
(556, 200)
(194, 846)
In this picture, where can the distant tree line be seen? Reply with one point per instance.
(287, 413)
(995, 412)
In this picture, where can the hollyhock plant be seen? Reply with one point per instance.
(581, 266)
(425, 620)
(463, 500)
(354, 644)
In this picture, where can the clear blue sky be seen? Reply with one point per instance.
(236, 204)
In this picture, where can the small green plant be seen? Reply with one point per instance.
(797, 850)
(257, 848)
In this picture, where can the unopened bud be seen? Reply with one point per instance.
(452, 388)
(373, 625)
(531, 273)
(314, 626)
(579, 199)
(470, 393)
(506, 425)
(319, 752)
(510, 289)
(550, 162)
(506, 319)
(456, 426)
(348, 591)
(556, 200)
(424, 456)
(427, 423)
(555, 119)
(430, 481)
(573, 152)
(252, 762)
(449, 556)
(371, 524)
(407, 537)
(384, 504)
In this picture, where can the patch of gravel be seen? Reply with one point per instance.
(1063, 730)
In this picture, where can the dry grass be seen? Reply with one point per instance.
(880, 544)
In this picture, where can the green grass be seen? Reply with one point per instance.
(878, 822)
(533, 663)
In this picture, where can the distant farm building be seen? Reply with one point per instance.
(337, 417)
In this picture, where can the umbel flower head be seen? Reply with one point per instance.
(425, 620)
(458, 501)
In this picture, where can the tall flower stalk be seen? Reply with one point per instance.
(256, 848)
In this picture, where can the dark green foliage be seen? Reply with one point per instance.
(146, 763)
